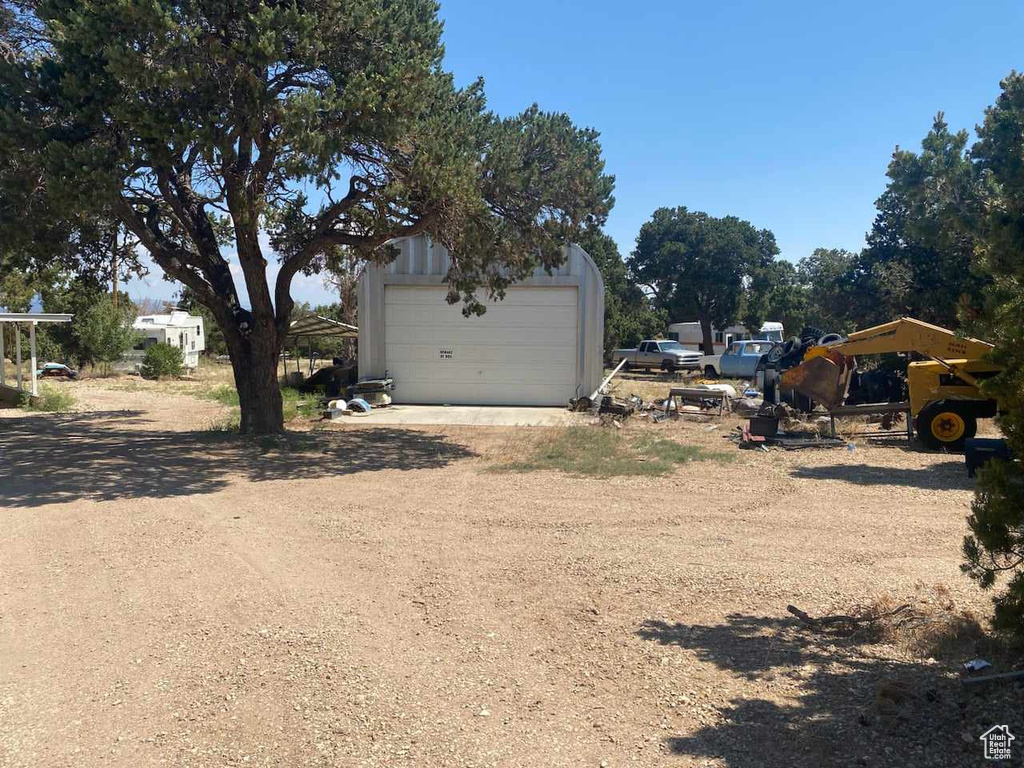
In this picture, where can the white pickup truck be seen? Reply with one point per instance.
(658, 353)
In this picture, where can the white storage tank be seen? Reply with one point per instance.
(541, 345)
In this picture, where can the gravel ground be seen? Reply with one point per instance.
(382, 597)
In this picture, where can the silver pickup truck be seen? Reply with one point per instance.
(664, 354)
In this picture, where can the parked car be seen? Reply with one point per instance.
(56, 369)
(739, 361)
(658, 353)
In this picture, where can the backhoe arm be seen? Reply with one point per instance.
(909, 335)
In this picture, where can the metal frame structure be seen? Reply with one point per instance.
(315, 326)
(31, 320)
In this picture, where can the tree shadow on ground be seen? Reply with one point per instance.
(54, 458)
(944, 475)
(808, 700)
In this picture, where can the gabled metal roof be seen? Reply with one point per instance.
(315, 325)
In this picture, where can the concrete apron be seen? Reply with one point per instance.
(470, 416)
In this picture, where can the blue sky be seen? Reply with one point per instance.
(784, 114)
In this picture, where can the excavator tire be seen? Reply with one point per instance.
(946, 424)
(770, 387)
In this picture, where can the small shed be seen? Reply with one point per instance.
(542, 345)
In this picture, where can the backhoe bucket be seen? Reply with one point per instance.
(823, 379)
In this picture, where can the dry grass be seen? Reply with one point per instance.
(932, 626)
(929, 625)
(605, 452)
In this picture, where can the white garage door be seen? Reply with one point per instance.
(521, 352)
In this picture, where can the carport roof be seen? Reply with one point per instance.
(33, 317)
(315, 325)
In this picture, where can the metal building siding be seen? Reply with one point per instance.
(423, 263)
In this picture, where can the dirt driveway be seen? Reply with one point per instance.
(383, 597)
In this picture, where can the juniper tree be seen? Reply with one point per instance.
(200, 125)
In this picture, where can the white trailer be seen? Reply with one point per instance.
(690, 335)
(177, 328)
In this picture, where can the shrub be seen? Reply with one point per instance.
(104, 332)
(162, 360)
(50, 400)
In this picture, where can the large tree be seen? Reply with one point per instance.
(698, 266)
(774, 293)
(198, 124)
(996, 546)
(921, 244)
(828, 279)
(628, 314)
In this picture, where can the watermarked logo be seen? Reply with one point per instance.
(997, 741)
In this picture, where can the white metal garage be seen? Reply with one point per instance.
(541, 345)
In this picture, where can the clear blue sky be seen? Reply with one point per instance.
(781, 113)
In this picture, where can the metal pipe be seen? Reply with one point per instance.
(17, 354)
(32, 353)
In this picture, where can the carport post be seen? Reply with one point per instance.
(32, 352)
(17, 354)
(2, 377)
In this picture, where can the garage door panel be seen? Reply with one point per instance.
(523, 354)
(411, 375)
(516, 297)
(476, 393)
(479, 337)
(522, 351)
(537, 317)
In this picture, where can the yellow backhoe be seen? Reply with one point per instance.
(945, 399)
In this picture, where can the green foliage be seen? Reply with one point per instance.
(919, 260)
(225, 394)
(49, 400)
(104, 332)
(628, 315)
(696, 265)
(67, 293)
(608, 453)
(832, 296)
(996, 544)
(17, 289)
(193, 125)
(774, 293)
(296, 404)
(921, 245)
(162, 360)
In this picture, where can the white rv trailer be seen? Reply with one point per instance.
(177, 328)
(690, 335)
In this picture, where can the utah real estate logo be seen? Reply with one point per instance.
(997, 742)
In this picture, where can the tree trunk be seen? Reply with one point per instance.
(254, 361)
(709, 339)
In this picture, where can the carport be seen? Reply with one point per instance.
(315, 326)
(18, 319)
